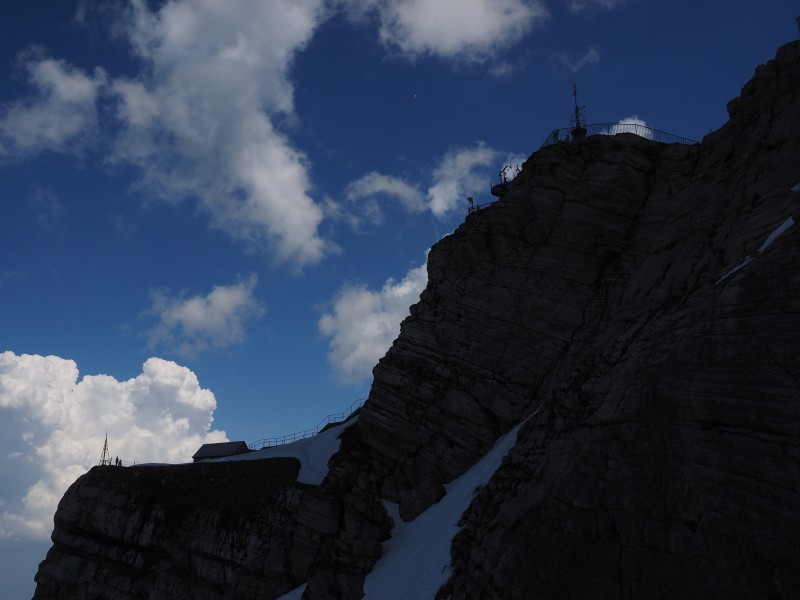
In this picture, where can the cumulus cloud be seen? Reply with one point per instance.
(60, 115)
(217, 320)
(463, 30)
(571, 64)
(462, 172)
(53, 428)
(582, 5)
(199, 121)
(363, 323)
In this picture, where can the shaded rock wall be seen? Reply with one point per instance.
(197, 531)
(664, 462)
(661, 460)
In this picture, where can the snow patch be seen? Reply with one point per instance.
(767, 243)
(313, 453)
(796, 188)
(295, 594)
(740, 265)
(773, 236)
(416, 559)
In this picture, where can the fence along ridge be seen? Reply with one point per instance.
(306, 433)
(564, 134)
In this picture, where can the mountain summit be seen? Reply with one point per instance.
(623, 326)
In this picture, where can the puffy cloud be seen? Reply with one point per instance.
(363, 323)
(190, 325)
(582, 5)
(53, 428)
(464, 30)
(60, 116)
(364, 197)
(569, 63)
(462, 172)
(198, 123)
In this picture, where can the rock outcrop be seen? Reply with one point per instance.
(625, 296)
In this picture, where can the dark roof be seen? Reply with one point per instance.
(219, 450)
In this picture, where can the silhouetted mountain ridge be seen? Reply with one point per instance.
(638, 302)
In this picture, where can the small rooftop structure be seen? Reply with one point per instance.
(220, 450)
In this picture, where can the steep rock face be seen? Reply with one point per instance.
(235, 530)
(664, 459)
(595, 295)
(660, 458)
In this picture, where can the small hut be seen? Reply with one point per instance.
(220, 450)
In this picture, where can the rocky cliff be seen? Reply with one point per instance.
(635, 301)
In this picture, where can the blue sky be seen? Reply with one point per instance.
(221, 210)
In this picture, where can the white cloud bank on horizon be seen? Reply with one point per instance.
(53, 427)
(363, 323)
(187, 326)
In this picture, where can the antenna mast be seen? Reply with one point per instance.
(579, 124)
(105, 457)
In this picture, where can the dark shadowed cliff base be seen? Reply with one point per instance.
(640, 298)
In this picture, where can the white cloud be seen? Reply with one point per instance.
(364, 197)
(632, 124)
(53, 427)
(582, 5)
(462, 172)
(463, 30)
(198, 122)
(60, 116)
(569, 63)
(363, 323)
(190, 325)
(375, 184)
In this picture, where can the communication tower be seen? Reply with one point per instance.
(105, 457)
(578, 121)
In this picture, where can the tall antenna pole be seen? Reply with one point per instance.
(577, 110)
(579, 127)
(105, 458)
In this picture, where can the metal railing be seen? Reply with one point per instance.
(565, 134)
(307, 433)
(473, 208)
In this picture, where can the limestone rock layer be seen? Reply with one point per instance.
(637, 302)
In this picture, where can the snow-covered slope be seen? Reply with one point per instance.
(416, 560)
(313, 453)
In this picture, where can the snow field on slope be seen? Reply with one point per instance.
(313, 453)
(416, 559)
